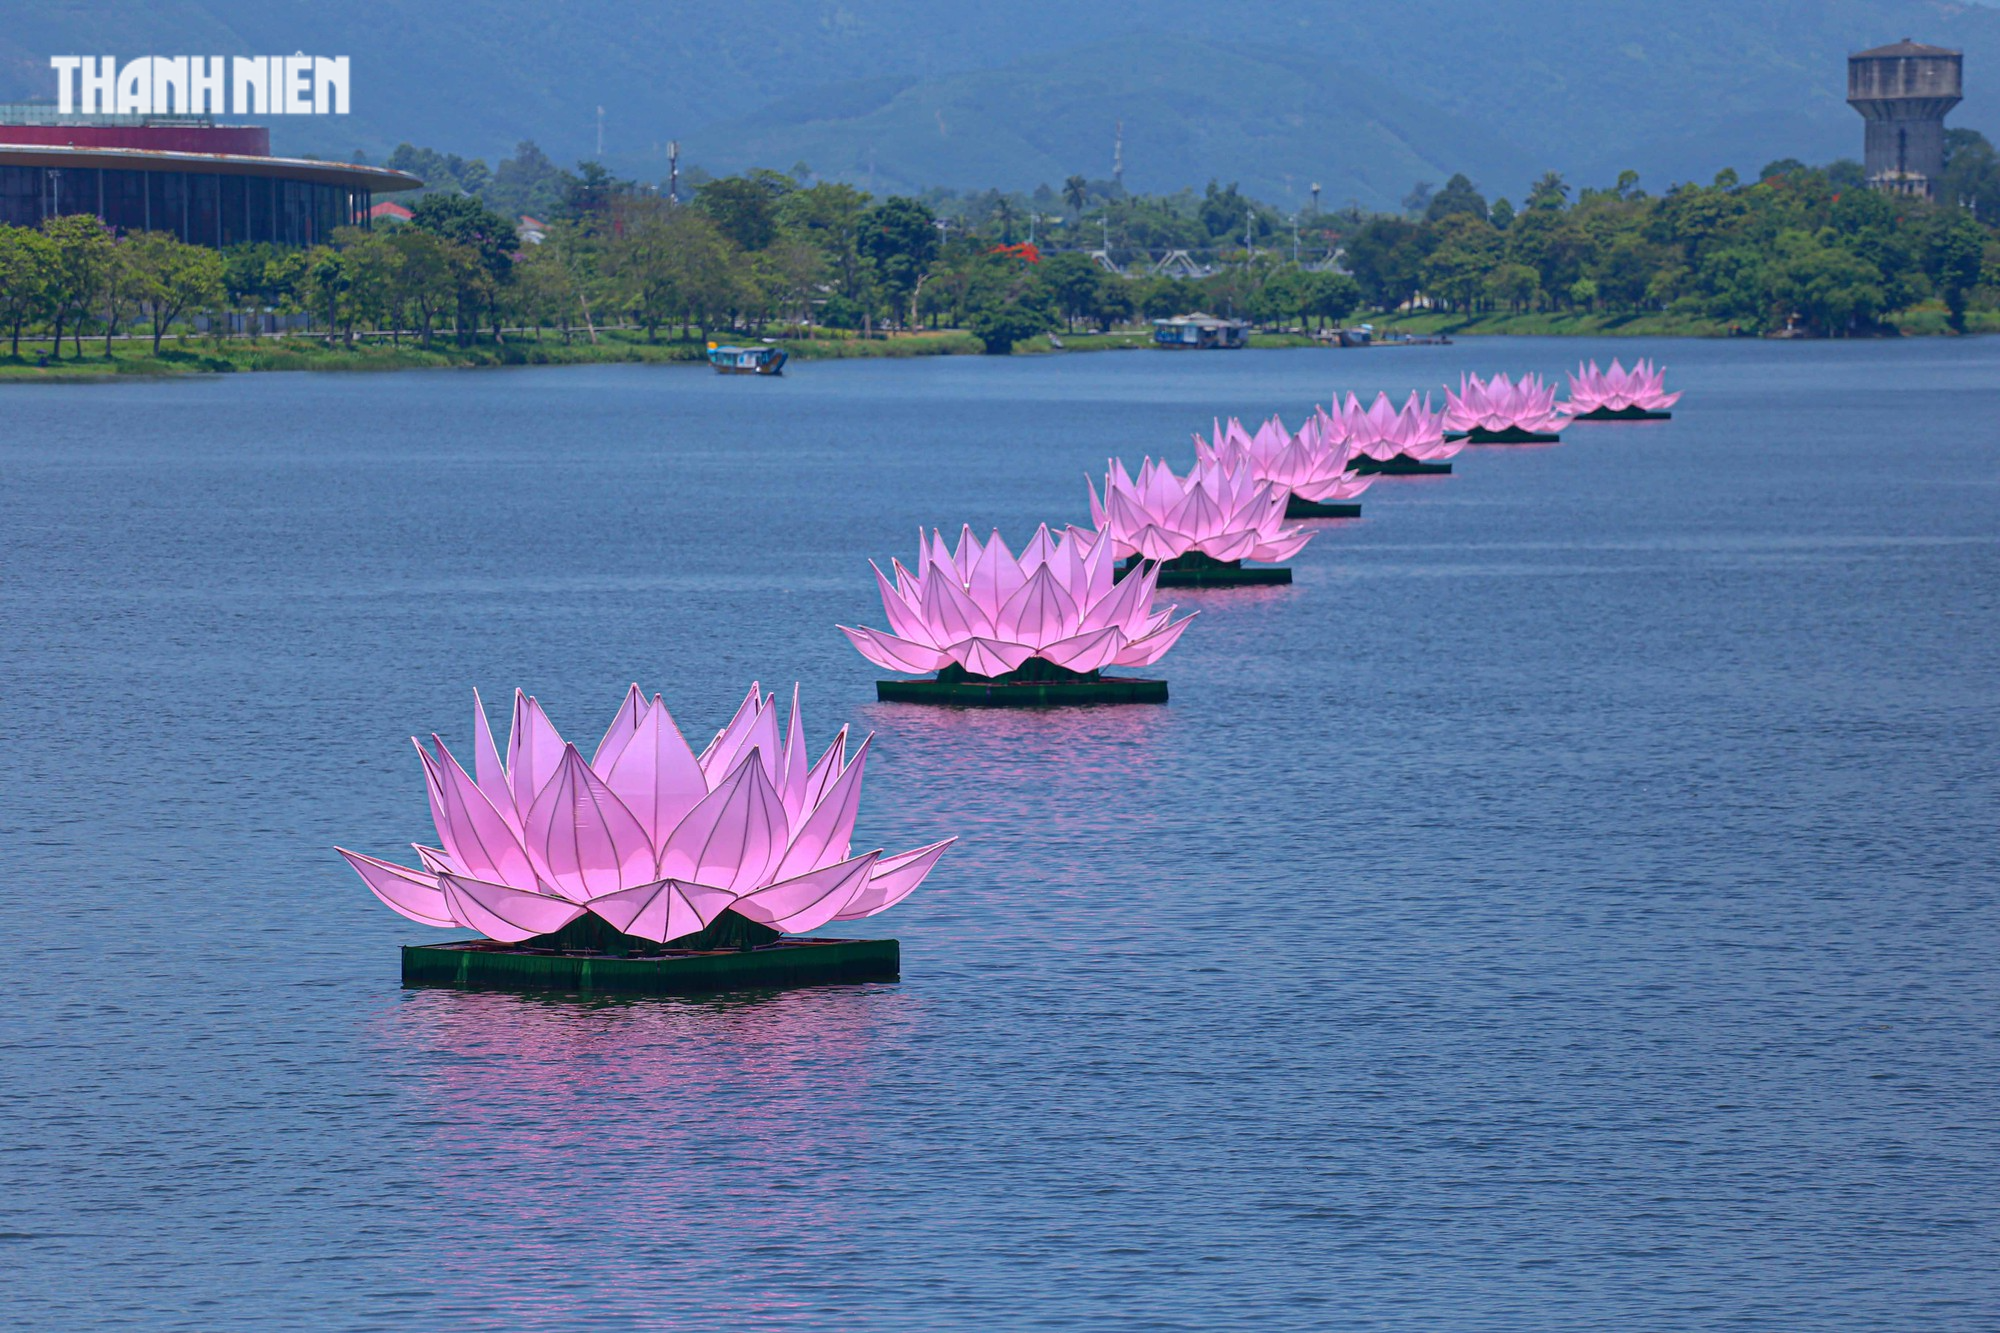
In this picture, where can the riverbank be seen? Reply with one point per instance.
(208, 356)
(196, 355)
(1924, 320)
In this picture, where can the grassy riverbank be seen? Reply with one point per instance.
(200, 356)
(208, 356)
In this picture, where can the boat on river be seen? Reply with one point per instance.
(764, 360)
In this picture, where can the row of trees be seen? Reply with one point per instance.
(770, 251)
(1800, 244)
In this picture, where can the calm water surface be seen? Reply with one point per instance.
(1571, 905)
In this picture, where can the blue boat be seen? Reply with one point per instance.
(747, 360)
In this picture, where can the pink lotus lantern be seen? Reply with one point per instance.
(1409, 442)
(1201, 528)
(1312, 465)
(1618, 394)
(1038, 628)
(1499, 411)
(646, 843)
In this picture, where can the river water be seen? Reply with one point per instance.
(1570, 905)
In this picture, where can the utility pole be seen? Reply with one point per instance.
(673, 172)
(1118, 156)
(600, 134)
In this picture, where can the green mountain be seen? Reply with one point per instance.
(1363, 99)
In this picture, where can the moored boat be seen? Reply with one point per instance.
(747, 360)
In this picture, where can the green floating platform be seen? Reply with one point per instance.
(1402, 465)
(1511, 435)
(1036, 683)
(1623, 414)
(1195, 570)
(485, 965)
(1297, 508)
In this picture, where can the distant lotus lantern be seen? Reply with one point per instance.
(1397, 442)
(999, 628)
(1618, 394)
(1500, 411)
(1200, 527)
(658, 843)
(1314, 465)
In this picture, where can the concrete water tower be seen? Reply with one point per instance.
(1903, 91)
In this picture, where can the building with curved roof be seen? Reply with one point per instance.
(209, 184)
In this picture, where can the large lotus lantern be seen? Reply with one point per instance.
(1037, 628)
(1313, 465)
(646, 858)
(1201, 527)
(1618, 394)
(1408, 441)
(1500, 411)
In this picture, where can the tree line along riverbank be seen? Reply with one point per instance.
(618, 273)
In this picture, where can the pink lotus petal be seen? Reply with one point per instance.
(408, 892)
(951, 613)
(759, 735)
(991, 657)
(534, 749)
(656, 775)
(1087, 651)
(664, 910)
(475, 834)
(905, 617)
(624, 725)
(734, 837)
(1146, 651)
(746, 714)
(894, 654)
(797, 763)
(503, 913)
(827, 831)
(995, 577)
(487, 769)
(808, 901)
(1038, 612)
(824, 773)
(892, 880)
(582, 839)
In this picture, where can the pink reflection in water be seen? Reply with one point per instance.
(591, 1158)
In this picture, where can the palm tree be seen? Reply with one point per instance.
(1003, 213)
(1076, 190)
(1551, 191)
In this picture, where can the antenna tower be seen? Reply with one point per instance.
(673, 172)
(1118, 156)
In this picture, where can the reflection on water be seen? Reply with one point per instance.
(553, 1123)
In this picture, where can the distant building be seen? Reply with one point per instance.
(1200, 331)
(532, 231)
(389, 211)
(1903, 91)
(208, 184)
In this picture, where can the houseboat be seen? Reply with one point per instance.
(747, 360)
